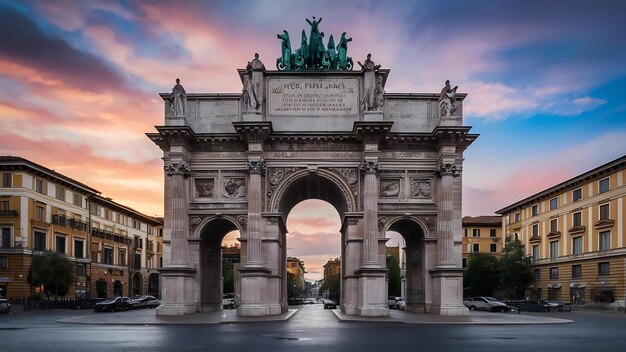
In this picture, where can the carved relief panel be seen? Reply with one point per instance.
(204, 188)
(421, 188)
(234, 187)
(390, 188)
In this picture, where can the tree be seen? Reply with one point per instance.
(291, 285)
(53, 271)
(229, 275)
(481, 278)
(515, 272)
(393, 273)
(332, 285)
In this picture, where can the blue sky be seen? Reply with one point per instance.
(546, 80)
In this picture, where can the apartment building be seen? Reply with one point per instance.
(41, 209)
(296, 268)
(481, 234)
(574, 232)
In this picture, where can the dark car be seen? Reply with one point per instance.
(5, 306)
(113, 304)
(144, 302)
(328, 304)
(533, 305)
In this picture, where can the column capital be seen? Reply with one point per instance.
(255, 166)
(369, 166)
(177, 168)
(447, 167)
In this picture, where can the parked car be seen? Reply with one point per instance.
(144, 302)
(113, 304)
(309, 301)
(392, 301)
(5, 305)
(329, 304)
(560, 306)
(486, 303)
(533, 305)
(228, 301)
(401, 304)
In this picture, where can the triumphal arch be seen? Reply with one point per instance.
(318, 126)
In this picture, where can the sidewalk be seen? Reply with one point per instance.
(149, 317)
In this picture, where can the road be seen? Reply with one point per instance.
(311, 329)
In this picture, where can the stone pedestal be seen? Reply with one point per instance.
(370, 116)
(259, 293)
(179, 291)
(448, 292)
(372, 289)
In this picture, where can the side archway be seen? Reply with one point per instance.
(137, 285)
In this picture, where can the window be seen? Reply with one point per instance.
(40, 214)
(537, 274)
(4, 206)
(604, 269)
(535, 230)
(40, 186)
(108, 255)
(40, 241)
(577, 245)
(577, 219)
(96, 210)
(5, 241)
(7, 181)
(122, 257)
(78, 200)
(604, 212)
(492, 232)
(554, 203)
(79, 249)
(476, 247)
(554, 249)
(517, 217)
(554, 273)
(534, 210)
(475, 232)
(554, 225)
(493, 248)
(4, 262)
(464, 262)
(604, 185)
(60, 244)
(536, 252)
(605, 240)
(577, 271)
(80, 269)
(60, 193)
(577, 194)
(137, 261)
(465, 232)
(137, 226)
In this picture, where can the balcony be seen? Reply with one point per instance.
(70, 223)
(8, 213)
(95, 232)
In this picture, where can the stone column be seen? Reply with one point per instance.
(446, 169)
(178, 171)
(370, 214)
(255, 259)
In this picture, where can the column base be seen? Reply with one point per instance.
(260, 293)
(372, 293)
(447, 292)
(179, 290)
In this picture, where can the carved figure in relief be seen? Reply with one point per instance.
(447, 98)
(256, 64)
(368, 65)
(390, 188)
(379, 92)
(178, 98)
(420, 188)
(235, 188)
(204, 187)
(343, 61)
(249, 93)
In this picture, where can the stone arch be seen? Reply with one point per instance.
(320, 184)
(137, 285)
(414, 231)
(211, 232)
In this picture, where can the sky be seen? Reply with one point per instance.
(546, 84)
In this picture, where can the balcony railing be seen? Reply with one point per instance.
(8, 213)
(71, 223)
(595, 254)
(95, 232)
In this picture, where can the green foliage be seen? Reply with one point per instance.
(482, 275)
(229, 276)
(291, 285)
(515, 272)
(332, 285)
(394, 284)
(53, 271)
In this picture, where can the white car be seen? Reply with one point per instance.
(228, 301)
(486, 303)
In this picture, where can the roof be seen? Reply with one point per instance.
(618, 163)
(15, 162)
(483, 220)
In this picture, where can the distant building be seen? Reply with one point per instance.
(574, 232)
(332, 268)
(41, 209)
(481, 234)
(296, 267)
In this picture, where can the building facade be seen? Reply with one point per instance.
(296, 268)
(42, 210)
(574, 232)
(482, 234)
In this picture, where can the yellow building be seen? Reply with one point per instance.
(481, 234)
(296, 268)
(574, 232)
(41, 209)
(332, 268)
